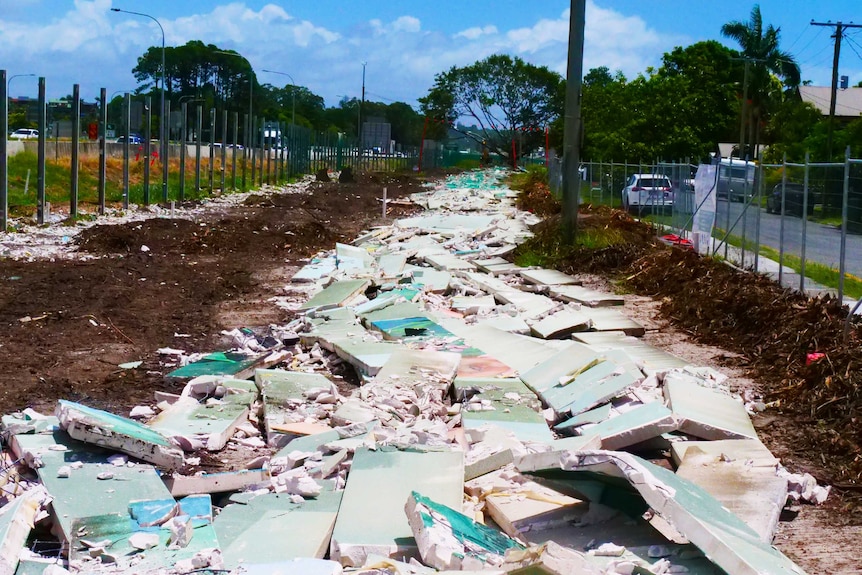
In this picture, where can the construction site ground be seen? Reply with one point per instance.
(133, 288)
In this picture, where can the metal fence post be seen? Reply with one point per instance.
(223, 149)
(252, 142)
(76, 134)
(781, 226)
(211, 166)
(149, 120)
(40, 169)
(233, 151)
(127, 101)
(845, 216)
(166, 149)
(245, 151)
(184, 111)
(4, 165)
(804, 223)
(199, 127)
(103, 151)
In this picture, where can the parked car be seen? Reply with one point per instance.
(794, 195)
(737, 179)
(24, 134)
(134, 139)
(647, 191)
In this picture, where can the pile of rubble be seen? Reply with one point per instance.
(508, 420)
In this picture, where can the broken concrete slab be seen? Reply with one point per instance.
(548, 277)
(368, 357)
(182, 529)
(596, 383)
(282, 391)
(209, 423)
(611, 319)
(473, 304)
(505, 402)
(596, 415)
(105, 429)
(707, 414)
(222, 482)
(751, 451)
(301, 566)
(755, 494)
(585, 296)
(448, 539)
(234, 364)
(633, 426)
(421, 366)
(82, 494)
(272, 529)
(17, 519)
(561, 324)
(497, 265)
(650, 358)
(517, 504)
(722, 536)
(337, 294)
(411, 328)
(449, 263)
(559, 365)
(371, 518)
(435, 281)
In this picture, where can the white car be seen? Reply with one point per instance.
(24, 134)
(645, 191)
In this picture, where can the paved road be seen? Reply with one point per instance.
(823, 243)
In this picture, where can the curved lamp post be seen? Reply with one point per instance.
(292, 92)
(162, 122)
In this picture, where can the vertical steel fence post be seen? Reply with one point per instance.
(183, 151)
(4, 165)
(127, 147)
(781, 227)
(199, 127)
(147, 151)
(233, 151)
(76, 135)
(40, 169)
(845, 215)
(804, 224)
(103, 149)
(223, 149)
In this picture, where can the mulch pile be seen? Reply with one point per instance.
(792, 344)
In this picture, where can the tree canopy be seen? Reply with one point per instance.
(502, 95)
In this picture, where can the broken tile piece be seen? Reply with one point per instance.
(447, 539)
(108, 430)
(707, 414)
(371, 518)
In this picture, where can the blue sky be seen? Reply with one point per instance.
(323, 43)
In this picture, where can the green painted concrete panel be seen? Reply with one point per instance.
(548, 373)
(596, 415)
(640, 424)
(218, 363)
(372, 519)
(271, 529)
(708, 414)
(395, 311)
(336, 294)
(82, 494)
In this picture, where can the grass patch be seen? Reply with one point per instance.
(817, 272)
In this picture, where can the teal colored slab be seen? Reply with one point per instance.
(392, 265)
(188, 417)
(116, 424)
(640, 424)
(708, 414)
(336, 294)
(119, 527)
(722, 536)
(396, 311)
(517, 416)
(596, 393)
(411, 328)
(82, 495)
(368, 357)
(271, 529)
(596, 415)
(278, 388)
(218, 363)
(435, 280)
(548, 373)
(372, 519)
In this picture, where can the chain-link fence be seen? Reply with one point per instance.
(800, 222)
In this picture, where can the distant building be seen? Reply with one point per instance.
(377, 135)
(848, 101)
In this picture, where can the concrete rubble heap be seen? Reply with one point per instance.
(508, 420)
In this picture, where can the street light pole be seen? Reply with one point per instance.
(293, 93)
(162, 121)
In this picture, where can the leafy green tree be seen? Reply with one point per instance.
(760, 46)
(503, 96)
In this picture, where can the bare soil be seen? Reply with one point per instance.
(68, 323)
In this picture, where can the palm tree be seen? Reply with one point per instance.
(763, 58)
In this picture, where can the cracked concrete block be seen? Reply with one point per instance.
(707, 414)
(17, 519)
(105, 429)
(371, 519)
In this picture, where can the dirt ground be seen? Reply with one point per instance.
(140, 286)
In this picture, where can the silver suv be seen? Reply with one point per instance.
(647, 191)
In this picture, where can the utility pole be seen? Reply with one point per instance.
(840, 27)
(572, 127)
(361, 104)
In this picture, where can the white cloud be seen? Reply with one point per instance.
(476, 32)
(407, 24)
